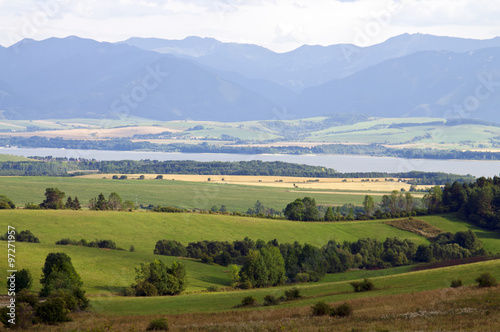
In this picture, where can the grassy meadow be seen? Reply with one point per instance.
(109, 271)
(185, 194)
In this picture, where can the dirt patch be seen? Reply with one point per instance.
(416, 226)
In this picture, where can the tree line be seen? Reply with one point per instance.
(272, 263)
(70, 167)
(477, 202)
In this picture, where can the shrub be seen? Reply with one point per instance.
(25, 296)
(321, 309)
(362, 286)
(456, 283)
(159, 177)
(160, 324)
(212, 288)
(132, 248)
(292, 294)
(25, 317)
(71, 302)
(248, 301)
(145, 289)
(129, 291)
(142, 177)
(302, 277)
(343, 310)
(53, 311)
(271, 300)
(486, 280)
(32, 206)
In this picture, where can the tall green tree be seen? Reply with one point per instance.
(329, 216)
(53, 199)
(114, 202)
(409, 203)
(157, 278)
(369, 205)
(59, 275)
(101, 204)
(295, 210)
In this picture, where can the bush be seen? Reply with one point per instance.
(271, 300)
(292, 294)
(53, 311)
(486, 280)
(248, 301)
(129, 291)
(362, 286)
(160, 324)
(343, 310)
(71, 302)
(212, 288)
(159, 177)
(132, 248)
(25, 296)
(456, 283)
(25, 317)
(321, 309)
(32, 206)
(145, 289)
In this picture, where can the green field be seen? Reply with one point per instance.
(9, 157)
(110, 271)
(329, 292)
(451, 223)
(166, 193)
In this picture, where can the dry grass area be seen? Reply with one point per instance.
(416, 226)
(93, 133)
(452, 309)
(354, 185)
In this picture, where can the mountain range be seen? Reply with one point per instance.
(205, 79)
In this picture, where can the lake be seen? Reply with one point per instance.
(341, 163)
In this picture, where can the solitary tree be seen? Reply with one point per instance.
(53, 199)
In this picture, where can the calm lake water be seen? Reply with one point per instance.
(341, 163)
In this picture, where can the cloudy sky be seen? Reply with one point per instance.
(280, 25)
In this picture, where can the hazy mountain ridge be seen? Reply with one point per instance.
(429, 84)
(205, 79)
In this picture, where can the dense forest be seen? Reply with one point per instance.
(48, 166)
(128, 145)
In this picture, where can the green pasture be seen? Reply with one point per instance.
(328, 292)
(166, 192)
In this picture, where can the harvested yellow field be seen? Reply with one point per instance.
(316, 184)
(92, 133)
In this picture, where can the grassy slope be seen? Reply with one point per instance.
(451, 223)
(8, 157)
(162, 192)
(329, 292)
(142, 229)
